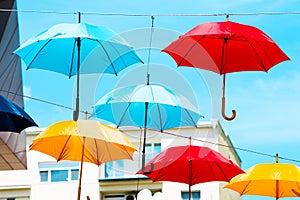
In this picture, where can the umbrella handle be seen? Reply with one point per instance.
(143, 166)
(223, 103)
(223, 111)
(76, 111)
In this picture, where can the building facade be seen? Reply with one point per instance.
(47, 179)
(12, 146)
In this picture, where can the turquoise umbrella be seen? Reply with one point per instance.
(150, 106)
(80, 48)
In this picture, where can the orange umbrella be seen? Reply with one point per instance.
(84, 141)
(276, 180)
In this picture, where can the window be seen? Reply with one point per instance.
(59, 172)
(152, 150)
(119, 197)
(59, 175)
(127, 168)
(114, 169)
(195, 195)
(114, 197)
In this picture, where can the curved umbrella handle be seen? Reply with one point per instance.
(223, 103)
(223, 111)
(143, 166)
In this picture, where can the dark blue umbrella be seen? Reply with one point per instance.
(12, 117)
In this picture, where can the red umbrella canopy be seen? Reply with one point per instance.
(191, 165)
(225, 47)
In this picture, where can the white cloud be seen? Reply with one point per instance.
(289, 82)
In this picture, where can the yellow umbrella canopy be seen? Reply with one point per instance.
(84, 141)
(270, 179)
(102, 143)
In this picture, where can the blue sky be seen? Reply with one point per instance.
(267, 104)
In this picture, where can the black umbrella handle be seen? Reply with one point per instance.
(144, 145)
(143, 165)
(76, 111)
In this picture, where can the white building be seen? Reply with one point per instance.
(45, 179)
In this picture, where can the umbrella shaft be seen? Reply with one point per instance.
(80, 173)
(145, 126)
(76, 112)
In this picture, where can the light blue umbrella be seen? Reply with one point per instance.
(150, 106)
(73, 49)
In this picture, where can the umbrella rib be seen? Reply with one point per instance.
(211, 170)
(36, 55)
(195, 123)
(124, 148)
(295, 192)
(245, 188)
(107, 56)
(108, 150)
(190, 49)
(221, 171)
(96, 146)
(123, 115)
(72, 60)
(252, 47)
(123, 61)
(160, 119)
(61, 152)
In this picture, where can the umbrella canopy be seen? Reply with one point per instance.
(101, 143)
(225, 47)
(276, 180)
(84, 141)
(191, 165)
(58, 48)
(150, 106)
(125, 106)
(73, 49)
(12, 117)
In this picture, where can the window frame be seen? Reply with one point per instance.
(192, 192)
(153, 148)
(51, 167)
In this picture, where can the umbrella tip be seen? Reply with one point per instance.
(276, 157)
(227, 17)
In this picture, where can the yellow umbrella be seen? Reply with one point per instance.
(270, 179)
(84, 141)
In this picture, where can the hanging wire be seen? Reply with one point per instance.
(149, 49)
(43, 101)
(38, 11)
(164, 132)
(152, 17)
(153, 14)
(232, 147)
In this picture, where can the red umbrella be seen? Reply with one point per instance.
(191, 165)
(225, 47)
